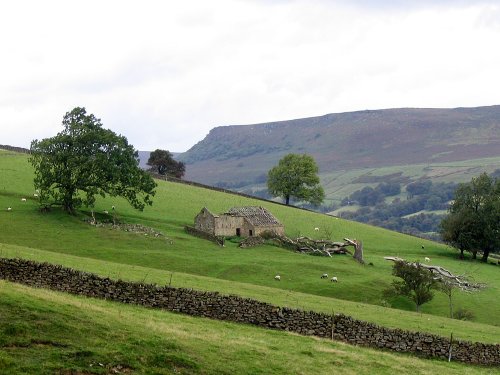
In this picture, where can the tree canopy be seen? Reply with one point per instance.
(163, 162)
(473, 222)
(296, 176)
(85, 160)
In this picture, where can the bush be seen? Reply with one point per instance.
(464, 314)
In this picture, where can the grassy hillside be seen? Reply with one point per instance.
(192, 262)
(43, 332)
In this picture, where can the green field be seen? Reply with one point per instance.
(195, 263)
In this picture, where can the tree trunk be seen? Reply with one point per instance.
(287, 199)
(461, 254)
(486, 253)
(474, 254)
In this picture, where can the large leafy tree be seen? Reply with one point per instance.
(85, 160)
(296, 176)
(163, 162)
(473, 222)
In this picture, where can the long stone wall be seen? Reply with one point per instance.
(243, 310)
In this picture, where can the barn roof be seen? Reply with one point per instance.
(257, 216)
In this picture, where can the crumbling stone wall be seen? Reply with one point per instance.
(243, 310)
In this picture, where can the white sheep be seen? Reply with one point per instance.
(9, 208)
(324, 276)
(427, 259)
(334, 279)
(316, 229)
(23, 199)
(106, 212)
(277, 277)
(35, 195)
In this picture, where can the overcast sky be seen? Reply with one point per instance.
(163, 73)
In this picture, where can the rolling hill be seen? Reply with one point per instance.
(350, 148)
(74, 335)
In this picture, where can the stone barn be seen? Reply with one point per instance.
(238, 221)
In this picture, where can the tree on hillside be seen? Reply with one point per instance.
(473, 222)
(83, 161)
(162, 162)
(296, 176)
(416, 282)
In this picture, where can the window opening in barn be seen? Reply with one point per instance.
(238, 232)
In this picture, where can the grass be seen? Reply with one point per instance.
(57, 333)
(377, 314)
(199, 264)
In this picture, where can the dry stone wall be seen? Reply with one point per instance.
(243, 310)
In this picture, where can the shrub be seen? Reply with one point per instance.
(464, 314)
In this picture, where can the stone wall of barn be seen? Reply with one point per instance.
(205, 221)
(244, 310)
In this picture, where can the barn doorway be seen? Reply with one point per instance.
(238, 232)
(250, 233)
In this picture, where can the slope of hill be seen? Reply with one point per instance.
(44, 332)
(194, 263)
(361, 141)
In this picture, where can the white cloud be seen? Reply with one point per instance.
(165, 73)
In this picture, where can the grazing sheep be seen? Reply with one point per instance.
(334, 279)
(324, 276)
(23, 199)
(106, 212)
(277, 277)
(9, 208)
(427, 259)
(316, 229)
(35, 195)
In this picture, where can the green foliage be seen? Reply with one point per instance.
(162, 162)
(463, 314)
(84, 161)
(416, 282)
(296, 176)
(473, 222)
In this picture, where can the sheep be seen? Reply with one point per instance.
(106, 212)
(427, 259)
(23, 199)
(324, 276)
(316, 229)
(9, 208)
(334, 279)
(35, 195)
(277, 277)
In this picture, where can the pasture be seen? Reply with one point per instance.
(191, 262)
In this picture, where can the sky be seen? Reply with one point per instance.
(163, 73)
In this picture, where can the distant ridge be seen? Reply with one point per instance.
(343, 141)
(14, 148)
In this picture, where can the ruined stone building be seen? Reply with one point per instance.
(238, 221)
